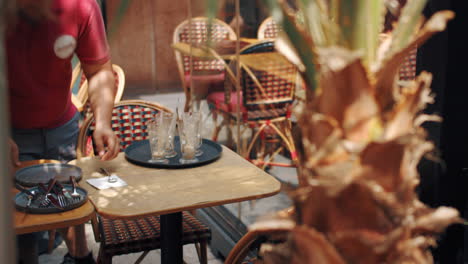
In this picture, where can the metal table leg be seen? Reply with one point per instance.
(171, 238)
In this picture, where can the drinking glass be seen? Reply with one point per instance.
(188, 127)
(198, 119)
(170, 121)
(157, 136)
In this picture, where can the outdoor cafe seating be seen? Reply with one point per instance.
(265, 104)
(124, 236)
(149, 197)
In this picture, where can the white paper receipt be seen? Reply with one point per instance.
(103, 182)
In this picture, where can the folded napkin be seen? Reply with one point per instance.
(103, 182)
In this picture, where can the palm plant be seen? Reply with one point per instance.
(361, 136)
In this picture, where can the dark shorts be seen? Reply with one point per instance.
(55, 143)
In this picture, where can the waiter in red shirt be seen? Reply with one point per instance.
(40, 44)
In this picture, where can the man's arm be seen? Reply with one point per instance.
(101, 97)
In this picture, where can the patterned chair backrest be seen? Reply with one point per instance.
(269, 29)
(82, 96)
(129, 122)
(196, 31)
(276, 81)
(407, 70)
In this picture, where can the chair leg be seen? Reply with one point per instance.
(95, 226)
(103, 258)
(141, 257)
(202, 252)
(217, 127)
(230, 142)
(51, 242)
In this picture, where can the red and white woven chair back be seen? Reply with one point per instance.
(129, 122)
(407, 70)
(269, 29)
(277, 80)
(196, 31)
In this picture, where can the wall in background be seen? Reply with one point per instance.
(141, 45)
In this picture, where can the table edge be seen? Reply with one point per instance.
(188, 208)
(57, 224)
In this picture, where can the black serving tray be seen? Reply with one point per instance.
(41, 173)
(21, 200)
(139, 153)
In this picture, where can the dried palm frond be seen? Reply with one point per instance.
(361, 135)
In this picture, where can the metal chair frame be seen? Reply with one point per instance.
(275, 110)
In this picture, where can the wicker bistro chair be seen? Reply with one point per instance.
(207, 72)
(80, 100)
(269, 29)
(407, 71)
(124, 236)
(266, 101)
(247, 249)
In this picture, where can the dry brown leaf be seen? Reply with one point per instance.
(352, 208)
(437, 220)
(385, 171)
(361, 145)
(402, 119)
(387, 91)
(359, 246)
(347, 95)
(412, 251)
(313, 248)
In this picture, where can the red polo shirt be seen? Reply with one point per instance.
(39, 57)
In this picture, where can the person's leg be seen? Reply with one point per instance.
(31, 146)
(75, 238)
(27, 248)
(61, 145)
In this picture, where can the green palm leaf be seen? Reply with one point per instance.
(361, 22)
(407, 24)
(304, 45)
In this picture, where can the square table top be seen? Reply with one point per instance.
(153, 191)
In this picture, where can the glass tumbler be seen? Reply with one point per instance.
(157, 136)
(198, 119)
(169, 119)
(188, 127)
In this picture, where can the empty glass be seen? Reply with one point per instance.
(170, 120)
(188, 132)
(198, 116)
(158, 137)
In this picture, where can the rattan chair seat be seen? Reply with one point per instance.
(123, 236)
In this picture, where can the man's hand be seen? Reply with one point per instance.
(107, 143)
(14, 153)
